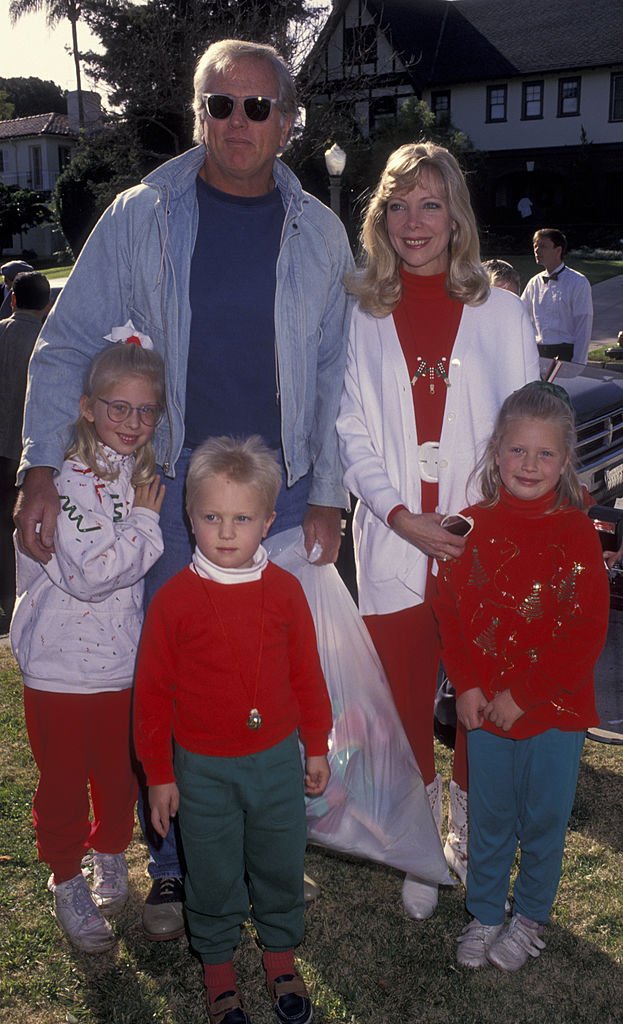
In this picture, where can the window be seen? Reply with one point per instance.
(531, 100)
(382, 111)
(496, 102)
(64, 157)
(360, 44)
(440, 106)
(36, 180)
(568, 97)
(616, 97)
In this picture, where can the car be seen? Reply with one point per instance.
(596, 393)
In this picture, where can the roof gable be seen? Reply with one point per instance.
(447, 41)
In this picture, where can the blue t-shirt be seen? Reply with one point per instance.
(231, 385)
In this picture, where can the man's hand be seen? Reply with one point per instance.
(322, 525)
(503, 711)
(37, 503)
(317, 775)
(164, 802)
(470, 708)
(150, 495)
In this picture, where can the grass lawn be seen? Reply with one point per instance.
(364, 960)
(595, 270)
(53, 273)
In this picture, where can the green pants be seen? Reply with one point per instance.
(243, 827)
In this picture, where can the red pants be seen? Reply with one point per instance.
(408, 644)
(80, 740)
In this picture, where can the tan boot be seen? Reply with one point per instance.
(420, 898)
(455, 849)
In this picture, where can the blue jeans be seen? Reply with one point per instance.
(165, 860)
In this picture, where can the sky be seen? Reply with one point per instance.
(31, 48)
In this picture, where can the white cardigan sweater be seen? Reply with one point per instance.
(494, 354)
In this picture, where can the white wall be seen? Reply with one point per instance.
(18, 160)
(468, 112)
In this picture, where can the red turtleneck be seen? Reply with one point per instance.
(526, 608)
(427, 321)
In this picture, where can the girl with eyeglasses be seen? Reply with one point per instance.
(75, 632)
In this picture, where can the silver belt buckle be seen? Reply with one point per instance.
(428, 457)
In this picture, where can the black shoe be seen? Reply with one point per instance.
(227, 1009)
(163, 913)
(291, 1002)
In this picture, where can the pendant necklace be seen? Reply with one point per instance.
(437, 369)
(254, 718)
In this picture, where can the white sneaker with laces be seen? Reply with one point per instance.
(83, 923)
(474, 942)
(519, 940)
(110, 881)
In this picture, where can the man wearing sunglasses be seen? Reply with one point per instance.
(235, 274)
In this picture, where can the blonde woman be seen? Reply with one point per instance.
(433, 353)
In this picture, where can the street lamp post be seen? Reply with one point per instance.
(335, 160)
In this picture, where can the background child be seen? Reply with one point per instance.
(75, 632)
(523, 616)
(228, 666)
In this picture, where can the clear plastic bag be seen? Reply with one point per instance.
(375, 805)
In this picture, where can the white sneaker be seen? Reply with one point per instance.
(83, 923)
(110, 881)
(519, 940)
(474, 942)
(419, 898)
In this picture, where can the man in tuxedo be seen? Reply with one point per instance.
(559, 301)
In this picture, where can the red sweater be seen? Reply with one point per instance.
(197, 685)
(526, 609)
(427, 321)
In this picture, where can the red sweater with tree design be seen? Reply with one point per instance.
(526, 608)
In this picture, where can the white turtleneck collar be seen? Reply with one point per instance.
(209, 571)
(113, 459)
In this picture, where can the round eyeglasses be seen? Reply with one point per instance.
(149, 415)
(220, 105)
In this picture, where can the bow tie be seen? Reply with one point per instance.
(552, 277)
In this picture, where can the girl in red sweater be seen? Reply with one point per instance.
(523, 617)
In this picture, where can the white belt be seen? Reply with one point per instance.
(428, 457)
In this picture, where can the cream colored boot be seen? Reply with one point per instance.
(420, 898)
(455, 850)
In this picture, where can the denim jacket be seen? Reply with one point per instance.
(136, 265)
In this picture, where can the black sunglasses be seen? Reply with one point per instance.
(220, 105)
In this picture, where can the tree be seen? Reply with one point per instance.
(20, 209)
(33, 96)
(151, 49)
(6, 107)
(104, 164)
(56, 10)
(367, 155)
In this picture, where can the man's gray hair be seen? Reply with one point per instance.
(222, 57)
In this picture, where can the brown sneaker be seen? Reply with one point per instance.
(228, 1009)
(291, 1001)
